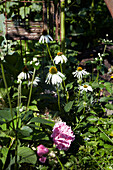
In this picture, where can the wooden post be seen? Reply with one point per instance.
(63, 25)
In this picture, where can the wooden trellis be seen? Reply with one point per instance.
(28, 29)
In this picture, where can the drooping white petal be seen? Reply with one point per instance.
(50, 37)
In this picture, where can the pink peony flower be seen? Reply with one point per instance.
(62, 136)
(42, 150)
(42, 159)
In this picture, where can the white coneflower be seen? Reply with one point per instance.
(45, 37)
(35, 81)
(24, 75)
(60, 58)
(85, 87)
(55, 77)
(79, 73)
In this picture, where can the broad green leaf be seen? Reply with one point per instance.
(68, 106)
(95, 85)
(3, 154)
(27, 155)
(92, 119)
(109, 106)
(25, 131)
(6, 114)
(34, 108)
(93, 129)
(104, 137)
(43, 121)
(108, 87)
(92, 143)
(108, 146)
(104, 99)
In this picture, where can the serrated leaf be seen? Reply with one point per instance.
(68, 106)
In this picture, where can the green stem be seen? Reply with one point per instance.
(50, 53)
(92, 15)
(60, 162)
(16, 152)
(58, 99)
(31, 89)
(4, 79)
(97, 76)
(19, 103)
(105, 48)
(65, 91)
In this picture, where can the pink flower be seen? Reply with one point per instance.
(42, 150)
(62, 136)
(42, 159)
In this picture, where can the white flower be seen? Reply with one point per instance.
(79, 73)
(45, 37)
(60, 58)
(55, 77)
(85, 87)
(25, 75)
(35, 81)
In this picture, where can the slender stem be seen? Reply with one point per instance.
(16, 152)
(97, 76)
(50, 53)
(92, 15)
(19, 103)
(31, 89)
(58, 99)
(3, 75)
(105, 48)
(65, 91)
(60, 162)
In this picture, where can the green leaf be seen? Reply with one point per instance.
(104, 99)
(43, 121)
(34, 108)
(25, 131)
(108, 146)
(68, 106)
(27, 155)
(5, 114)
(92, 119)
(104, 137)
(109, 106)
(95, 85)
(108, 87)
(3, 154)
(93, 129)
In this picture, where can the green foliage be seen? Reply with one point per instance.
(29, 111)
